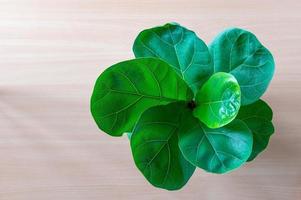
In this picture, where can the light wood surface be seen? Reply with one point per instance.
(52, 51)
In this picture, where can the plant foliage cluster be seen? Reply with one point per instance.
(185, 104)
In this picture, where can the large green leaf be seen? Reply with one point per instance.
(218, 101)
(215, 150)
(240, 53)
(258, 117)
(125, 90)
(181, 48)
(155, 148)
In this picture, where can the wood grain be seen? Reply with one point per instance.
(52, 51)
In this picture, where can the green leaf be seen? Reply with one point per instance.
(155, 148)
(125, 90)
(215, 150)
(240, 53)
(258, 117)
(218, 101)
(179, 47)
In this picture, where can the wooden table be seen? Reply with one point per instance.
(52, 51)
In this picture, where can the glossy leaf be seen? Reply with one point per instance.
(125, 90)
(155, 148)
(181, 48)
(258, 117)
(218, 101)
(240, 53)
(215, 150)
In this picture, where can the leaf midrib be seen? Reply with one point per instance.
(213, 148)
(139, 94)
(166, 143)
(175, 49)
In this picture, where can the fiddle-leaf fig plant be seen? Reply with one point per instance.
(185, 105)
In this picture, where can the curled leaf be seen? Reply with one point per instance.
(218, 101)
